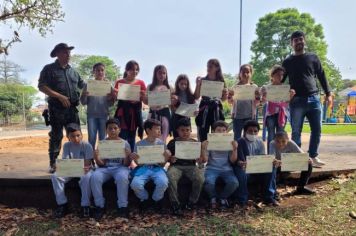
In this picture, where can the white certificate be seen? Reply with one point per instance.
(150, 154)
(111, 149)
(220, 141)
(277, 93)
(98, 87)
(186, 109)
(211, 89)
(159, 98)
(294, 161)
(129, 92)
(259, 164)
(70, 167)
(244, 92)
(187, 150)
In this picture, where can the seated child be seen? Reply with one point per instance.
(76, 148)
(144, 173)
(219, 165)
(251, 144)
(111, 168)
(187, 168)
(282, 144)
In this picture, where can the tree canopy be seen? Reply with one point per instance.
(37, 15)
(272, 45)
(84, 65)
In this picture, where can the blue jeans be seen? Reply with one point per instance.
(129, 136)
(229, 179)
(272, 128)
(96, 126)
(238, 126)
(268, 181)
(121, 177)
(310, 107)
(159, 179)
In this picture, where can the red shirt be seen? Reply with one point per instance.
(120, 112)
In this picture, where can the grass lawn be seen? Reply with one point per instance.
(330, 129)
(326, 213)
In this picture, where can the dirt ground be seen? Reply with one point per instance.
(26, 156)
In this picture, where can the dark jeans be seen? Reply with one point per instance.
(238, 126)
(268, 181)
(310, 107)
(272, 128)
(129, 136)
(59, 118)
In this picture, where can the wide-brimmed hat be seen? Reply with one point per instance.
(58, 47)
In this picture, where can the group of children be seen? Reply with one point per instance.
(203, 171)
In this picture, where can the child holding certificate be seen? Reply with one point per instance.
(219, 165)
(146, 172)
(187, 167)
(244, 110)
(250, 145)
(163, 114)
(76, 148)
(182, 94)
(97, 107)
(282, 144)
(129, 113)
(210, 109)
(276, 112)
(112, 168)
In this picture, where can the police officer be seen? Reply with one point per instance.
(60, 82)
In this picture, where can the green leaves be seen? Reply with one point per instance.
(272, 45)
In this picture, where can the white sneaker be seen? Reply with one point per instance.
(317, 162)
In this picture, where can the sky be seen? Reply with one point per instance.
(182, 35)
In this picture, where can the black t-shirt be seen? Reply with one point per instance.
(302, 72)
(171, 147)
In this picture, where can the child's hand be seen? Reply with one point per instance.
(167, 155)
(242, 164)
(276, 163)
(198, 81)
(257, 94)
(201, 160)
(204, 145)
(127, 152)
(174, 100)
(134, 156)
(310, 161)
(291, 93)
(234, 145)
(172, 159)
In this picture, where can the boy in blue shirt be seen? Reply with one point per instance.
(74, 149)
(250, 145)
(155, 172)
(111, 168)
(219, 165)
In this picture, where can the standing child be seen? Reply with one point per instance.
(249, 145)
(182, 93)
(244, 110)
(163, 114)
(97, 107)
(276, 112)
(282, 144)
(111, 168)
(144, 173)
(210, 109)
(76, 148)
(129, 113)
(219, 165)
(187, 168)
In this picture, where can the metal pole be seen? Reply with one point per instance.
(240, 33)
(23, 108)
